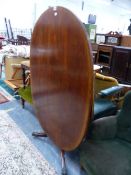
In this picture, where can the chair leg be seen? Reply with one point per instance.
(39, 134)
(0, 70)
(44, 134)
(63, 171)
(23, 102)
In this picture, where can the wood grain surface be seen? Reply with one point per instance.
(62, 77)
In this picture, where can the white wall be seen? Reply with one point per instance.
(20, 13)
(111, 15)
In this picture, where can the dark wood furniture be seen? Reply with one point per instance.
(121, 64)
(62, 77)
(111, 38)
(104, 55)
(104, 52)
(21, 40)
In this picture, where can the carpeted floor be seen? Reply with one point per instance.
(3, 98)
(5, 87)
(17, 154)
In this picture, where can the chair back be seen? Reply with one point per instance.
(102, 82)
(124, 119)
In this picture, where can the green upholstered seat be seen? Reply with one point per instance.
(110, 157)
(25, 94)
(124, 120)
(108, 150)
(104, 107)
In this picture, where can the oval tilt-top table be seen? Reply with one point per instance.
(62, 77)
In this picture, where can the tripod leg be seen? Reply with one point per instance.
(39, 134)
(63, 172)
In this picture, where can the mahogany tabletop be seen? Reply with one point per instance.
(62, 76)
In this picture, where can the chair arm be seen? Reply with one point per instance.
(104, 128)
(126, 88)
(110, 91)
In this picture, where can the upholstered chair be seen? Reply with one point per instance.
(108, 147)
(107, 95)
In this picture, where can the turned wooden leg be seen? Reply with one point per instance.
(0, 70)
(39, 134)
(23, 102)
(63, 170)
(44, 134)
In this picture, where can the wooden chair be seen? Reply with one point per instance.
(25, 95)
(102, 82)
(21, 40)
(25, 91)
(109, 95)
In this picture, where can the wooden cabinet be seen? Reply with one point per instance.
(105, 49)
(104, 55)
(121, 64)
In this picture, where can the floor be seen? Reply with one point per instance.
(18, 156)
(27, 121)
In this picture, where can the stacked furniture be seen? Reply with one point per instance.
(115, 57)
